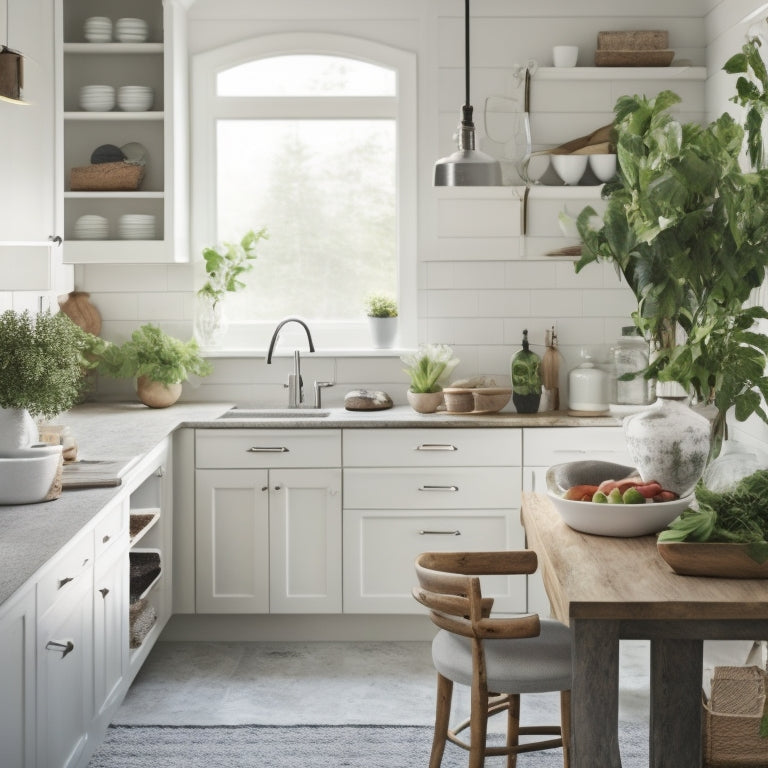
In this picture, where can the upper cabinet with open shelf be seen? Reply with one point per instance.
(157, 60)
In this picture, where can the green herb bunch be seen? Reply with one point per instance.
(380, 305)
(429, 367)
(686, 227)
(41, 362)
(152, 353)
(226, 264)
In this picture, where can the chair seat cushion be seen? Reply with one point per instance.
(525, 665)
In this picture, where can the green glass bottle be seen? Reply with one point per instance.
(526, 379)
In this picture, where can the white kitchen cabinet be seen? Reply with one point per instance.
(268, 521)
(17, 680)
(64, 656)
(414, 490)
(159, 63)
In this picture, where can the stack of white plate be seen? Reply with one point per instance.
(91, 227)
(136, 226)
(98, 29)
(131, 30)
(135, 98)
(97, 98)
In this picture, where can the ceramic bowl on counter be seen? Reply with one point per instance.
(476, 399)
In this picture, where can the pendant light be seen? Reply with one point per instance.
(11, 68)
(467, 167)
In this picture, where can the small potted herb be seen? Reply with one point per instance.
(428, 368)
(159, 362)
(382, 320)
(225, 265)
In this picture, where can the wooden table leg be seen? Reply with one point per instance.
(595, 694)
(676, 670)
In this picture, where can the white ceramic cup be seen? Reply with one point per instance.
(565, 55)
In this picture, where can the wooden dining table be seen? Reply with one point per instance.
(610, 589)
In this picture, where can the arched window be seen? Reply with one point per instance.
(312, 137)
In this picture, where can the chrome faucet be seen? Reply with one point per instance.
(295, 384)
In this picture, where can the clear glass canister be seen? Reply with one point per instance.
(630, 355)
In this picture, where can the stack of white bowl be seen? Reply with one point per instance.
(91, 227)
(131, 30)
(98, 29)
(136, 226)
(97, 98)
(135, 98)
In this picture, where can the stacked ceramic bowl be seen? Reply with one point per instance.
(91, 227)
(131, 30)
(97, 98)
(136, 226)
(98, 29)
(135, 98)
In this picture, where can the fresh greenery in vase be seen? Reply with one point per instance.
(226, 264)
(429, 367)
(686, 226)
(381, 305)
(152, 353)
(41, 362)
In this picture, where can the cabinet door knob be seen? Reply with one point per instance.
(436, 447)
(423, 532)
(63, 648)
(105, 539)
(449, 488)
(65, 581)
(278, 487)
(104, 591)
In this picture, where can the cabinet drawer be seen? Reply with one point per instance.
(548, 446)
(257, 448)
(432, 447)
(63, 576)
(380, 548)
(432, 488)
(111, 528)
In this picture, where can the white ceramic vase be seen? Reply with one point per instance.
(383, 331)
(17, 429)
(669, 443)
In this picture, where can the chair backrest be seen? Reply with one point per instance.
(449, 585)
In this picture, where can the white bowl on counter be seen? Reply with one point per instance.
(30, 475)
(570, 168)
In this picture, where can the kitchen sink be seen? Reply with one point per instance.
(275, 413)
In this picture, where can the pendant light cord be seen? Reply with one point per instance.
(466, 53)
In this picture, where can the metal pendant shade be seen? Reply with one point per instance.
(467, 167)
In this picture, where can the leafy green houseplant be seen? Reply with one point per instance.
(685, 225)
(159, 362)
(428, 369)
(381, 305)
(225, 267)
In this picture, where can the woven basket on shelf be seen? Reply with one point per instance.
(101, 177)
(731, 719)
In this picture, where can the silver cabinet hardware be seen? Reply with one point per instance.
(65, 580)
(436, 447)
(104, 591)
(160, 471)
(278, 487)
(267, 449)
(439, 533)
(264, 487)
(449, 488)
(63, 648)
(105, 539)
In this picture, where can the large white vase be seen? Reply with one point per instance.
(17, 429)
(669, 443)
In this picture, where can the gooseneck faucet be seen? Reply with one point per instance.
(295, 384)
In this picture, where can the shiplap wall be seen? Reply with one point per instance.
(479, 281)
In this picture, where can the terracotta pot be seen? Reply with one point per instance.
(157, 395)
(425, 402)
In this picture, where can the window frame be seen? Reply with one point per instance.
(207, 108)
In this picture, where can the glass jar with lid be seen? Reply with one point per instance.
(630, 355)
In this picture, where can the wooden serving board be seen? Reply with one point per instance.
(633, 58)
(730, 561)
(92, 474)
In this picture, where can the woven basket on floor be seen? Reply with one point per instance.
(119, 176)
(731, 719)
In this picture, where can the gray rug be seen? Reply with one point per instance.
(322, 746)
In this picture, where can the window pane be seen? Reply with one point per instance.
(305, 75)
(325, 190)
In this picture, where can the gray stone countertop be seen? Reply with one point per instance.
(31, 534)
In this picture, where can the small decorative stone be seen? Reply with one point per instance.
(107, 153)
(367, 400)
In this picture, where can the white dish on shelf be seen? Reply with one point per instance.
(98, 29)
(570, 168)
(135, 98)
(129, 30)
(603, 166)
(91, 227)
(97, 98)
(136, 226)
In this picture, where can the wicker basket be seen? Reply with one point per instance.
(731, 719)
(119, 176)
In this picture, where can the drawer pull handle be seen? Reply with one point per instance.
(63, 648)
(267, 449)
(439, 533)
(65, 581)
(104, 592)
(436, 447)
(449, 488)
(106, 539)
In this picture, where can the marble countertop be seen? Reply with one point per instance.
(31, 534)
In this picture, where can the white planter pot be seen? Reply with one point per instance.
(17, 429)
(383, 331)
(30, 475)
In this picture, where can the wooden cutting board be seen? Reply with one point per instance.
(92, 474)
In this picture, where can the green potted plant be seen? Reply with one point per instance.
(225, 265)
(159, 362)
(685, 225)
(381, 310)
(428, 369)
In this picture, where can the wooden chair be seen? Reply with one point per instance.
(498, 658)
